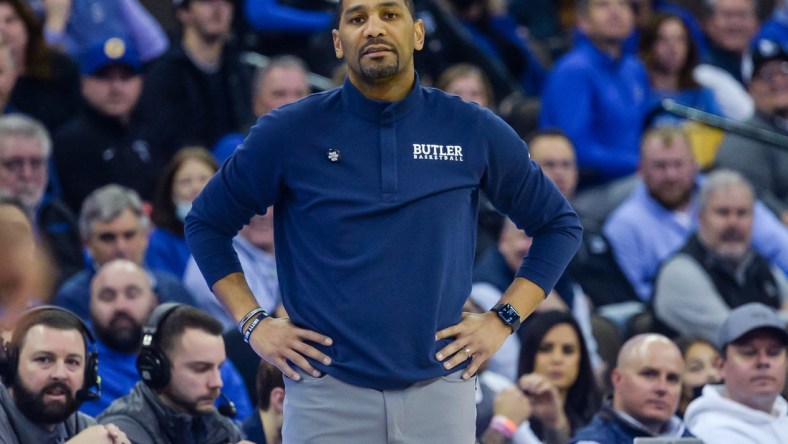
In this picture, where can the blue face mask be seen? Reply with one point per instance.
(182, 209)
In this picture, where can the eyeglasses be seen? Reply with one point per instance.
(16, 164)
(108, 237)
(772, 70)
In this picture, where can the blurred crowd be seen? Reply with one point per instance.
(664, 123)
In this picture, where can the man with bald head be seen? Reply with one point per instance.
(646, 392)
(121, 299)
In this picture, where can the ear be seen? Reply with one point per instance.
(615, 377)
(278, 399)
(419, 33)
(337, 44)
(719, 362)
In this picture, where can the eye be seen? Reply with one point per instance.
(356, 19)
(390, 15)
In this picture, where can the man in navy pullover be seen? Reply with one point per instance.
(375, 187)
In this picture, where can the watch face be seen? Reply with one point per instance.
(508, 314)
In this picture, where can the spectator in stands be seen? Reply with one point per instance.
(179, 363)
(729, 26)
(646, 390)
(764, 164)
(747, 408)
(468, 82)
(107, 142)
(25, 150)
(121, 300)
(597, 93)
(666, 203)
(48, 369)
(180, 182)
(199, 90)
(717, 269)
(78, 25)
(48, 84)
(670, 56)
(283, 80)
(266, 425)
(556, 377)
(700, 368)
(26, 272)
(114, 225)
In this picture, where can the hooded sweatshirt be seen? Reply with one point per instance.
(715, 418)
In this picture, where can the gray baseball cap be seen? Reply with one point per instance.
(749, 317)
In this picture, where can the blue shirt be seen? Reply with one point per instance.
(643, 234)
(167, 252)
(601, 104)
(375, 247)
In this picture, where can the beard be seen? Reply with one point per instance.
(378, 72)
(124, 338)
(190, 405)
(32, 404)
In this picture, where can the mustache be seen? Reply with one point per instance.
(121, 316)
(732, 235)
(57, 385)
(377, 41)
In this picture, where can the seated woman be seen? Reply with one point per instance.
(670, 56)
(182, 180)
(557, 380)
(699, 368)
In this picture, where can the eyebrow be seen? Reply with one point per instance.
(388, 4)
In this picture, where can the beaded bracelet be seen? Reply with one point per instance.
(503, 425)
(248, 316)
(253, 325)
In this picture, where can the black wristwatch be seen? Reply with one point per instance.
(508, 315)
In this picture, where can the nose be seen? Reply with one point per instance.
(374, 27)
(59, 371)
(215, 381)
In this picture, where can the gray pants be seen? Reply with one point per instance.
(328, 411)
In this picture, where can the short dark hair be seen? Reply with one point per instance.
(268, 378)
(408, 3)
(181, 318)
(57, 319)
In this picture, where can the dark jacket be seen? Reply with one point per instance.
(94, 150)
(609, 427)
(192, 107)
(144, 419)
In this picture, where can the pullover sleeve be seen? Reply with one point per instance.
(518, 188)
(231, 198)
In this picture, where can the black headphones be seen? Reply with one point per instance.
(153, 365)
(9, 355)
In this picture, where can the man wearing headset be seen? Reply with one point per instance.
(48, 371)
(179, 363)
